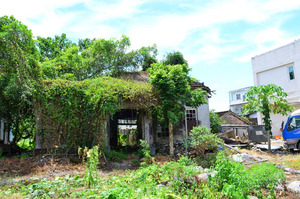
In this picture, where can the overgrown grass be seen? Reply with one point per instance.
(291, 161)
(175, 179)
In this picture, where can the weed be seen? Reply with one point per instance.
(116, 156)
(91, 160)
(135, 161)
(235, 181)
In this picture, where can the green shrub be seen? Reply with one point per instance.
(117, 156)
(235, 181)
(266, 175)
(186, 161)
(201, 139)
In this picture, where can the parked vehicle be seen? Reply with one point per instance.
(291, 131)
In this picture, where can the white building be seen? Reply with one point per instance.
(236, 100)
(281, 67)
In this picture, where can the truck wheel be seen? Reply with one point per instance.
(298, 145)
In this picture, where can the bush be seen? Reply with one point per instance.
(202, 141)
(235, 181)
(266, 175)
(116, 156)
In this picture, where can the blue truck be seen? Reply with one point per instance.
(291, 131)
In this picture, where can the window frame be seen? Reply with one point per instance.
(291, 73)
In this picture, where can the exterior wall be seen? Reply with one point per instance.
(203, 114)
(273, 67)
(236, 104)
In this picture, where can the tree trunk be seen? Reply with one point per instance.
(269, 141)
(171, 138)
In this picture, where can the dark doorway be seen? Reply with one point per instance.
(124, 128)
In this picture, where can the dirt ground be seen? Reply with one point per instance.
(15, 169)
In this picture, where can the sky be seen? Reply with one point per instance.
(218, 38)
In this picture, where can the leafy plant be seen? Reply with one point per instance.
(202, 140)
(146, 151)
(117, 156)
(91, 159)
(267, 99)
(235, 181)
(172, 83)
(215, 122)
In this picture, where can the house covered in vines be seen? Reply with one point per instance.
(110, 112)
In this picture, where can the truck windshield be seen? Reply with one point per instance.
(293, 124)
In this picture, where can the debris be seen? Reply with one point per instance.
(227, 134)
(243, 157)
(294, 187)
(202, 178)
(290, 170)
(265, 147)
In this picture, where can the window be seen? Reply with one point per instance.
(291, 73)
(293, 124)
(191, 114)
(244, 97)
(162, 131)
(238, 96)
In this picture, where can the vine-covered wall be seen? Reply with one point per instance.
(72, 113)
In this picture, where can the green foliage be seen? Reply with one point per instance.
(174, 58)
(215, 122)
(206, 145)
(77, 108)
(146, 151)
(186, 161)
(201, 139)
(173, 85)
(117, 156)
(267, 99)
(235, 181)
(266, 175)
(18, 76)
(175, 179)
(52, 47)
(91, 159)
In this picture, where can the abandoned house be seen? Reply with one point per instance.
(134, 122)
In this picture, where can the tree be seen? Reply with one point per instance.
(215, 122)
(174, 58)
(145, 56)
(53, 47)
(173, 85)
(19, 74)
(267, 99)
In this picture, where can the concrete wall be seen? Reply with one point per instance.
(203, 114)
(273, 67)
(235, 105)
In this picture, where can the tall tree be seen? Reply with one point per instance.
(173, 86)
(53, 47)
(174, 58)
(19, 73)
(267, 99)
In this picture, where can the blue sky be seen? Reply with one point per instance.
(218, 37)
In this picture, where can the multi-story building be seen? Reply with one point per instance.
(236, 100)
(281, 67)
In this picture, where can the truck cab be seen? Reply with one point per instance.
(291, 131)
